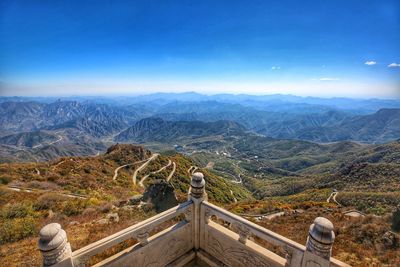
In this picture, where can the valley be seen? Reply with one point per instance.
(275, 162)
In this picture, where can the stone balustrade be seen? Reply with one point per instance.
(207, 232)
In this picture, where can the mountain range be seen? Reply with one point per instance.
(73, 160)
(29, 125)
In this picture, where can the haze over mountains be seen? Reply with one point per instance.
(92, 123)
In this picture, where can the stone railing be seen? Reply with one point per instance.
(206, 233)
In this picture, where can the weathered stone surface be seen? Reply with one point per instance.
(197, 185)
(321, 238)
(161, 194)
(48, 232)
(53, 244)
(323, 230)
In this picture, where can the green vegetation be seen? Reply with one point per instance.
(277, 175)
(5, 179)
(16, 229)
(370, 202)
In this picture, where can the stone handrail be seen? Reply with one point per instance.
(295, 251)
(196, 236)
(140, 231)
(252, 229)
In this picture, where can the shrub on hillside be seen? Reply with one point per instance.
(74, 207)
(17, 229)
(17, 210)
(50, 201)
(5, 179)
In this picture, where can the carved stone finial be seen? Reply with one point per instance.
(53, 244)
(197, 186)
(321, 237)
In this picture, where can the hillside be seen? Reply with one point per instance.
(88, 175)
(379, 127)
(83, 191)
(156, 129)
(283, 175)
(273, 167)
(29, 139)
(89, 117)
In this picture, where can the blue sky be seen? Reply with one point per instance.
(315, 47)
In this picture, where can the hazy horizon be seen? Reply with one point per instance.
(210, 94)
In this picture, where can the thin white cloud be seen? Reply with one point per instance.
(328, 79)
(394, 65)
(370, 63)
(275, 68)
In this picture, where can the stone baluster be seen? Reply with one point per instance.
(197, 194)
(319, 243)
(143, 237)
(54, 246)
(243, 231)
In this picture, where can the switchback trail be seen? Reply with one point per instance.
(120, 167)
(154, 156)
(192, 169)
(157, 171)
(172, 172)
(332, 196)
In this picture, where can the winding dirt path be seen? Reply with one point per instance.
(268, 216)
(123, 166)
(333, 196)
(157, 171)
(60, 138)
(172, 172)
(192, 169)
(154, 156)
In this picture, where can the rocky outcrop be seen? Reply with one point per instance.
(161, 194)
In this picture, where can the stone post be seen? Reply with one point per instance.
(54, 246)
(319, 243)
(197, 194)
(197, 187)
